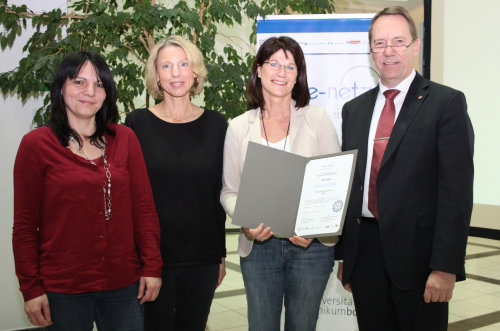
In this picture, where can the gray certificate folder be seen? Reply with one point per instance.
(271, 187)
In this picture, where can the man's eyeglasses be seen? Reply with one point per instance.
(398, 45)
(276, 66)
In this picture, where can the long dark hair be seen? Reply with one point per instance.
(300, 92)
(69, 69)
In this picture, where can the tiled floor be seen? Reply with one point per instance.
(475, 304)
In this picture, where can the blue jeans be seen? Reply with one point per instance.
(277, 269)
(114, 310)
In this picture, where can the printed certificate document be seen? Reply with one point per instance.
(294, 195)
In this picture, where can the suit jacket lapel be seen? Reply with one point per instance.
(364, 129)
(296, 121)
(254, 126)
(417, 93)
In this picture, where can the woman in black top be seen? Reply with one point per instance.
(183, 145)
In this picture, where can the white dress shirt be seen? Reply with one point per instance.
(403, 87)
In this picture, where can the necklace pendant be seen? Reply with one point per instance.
(107, 174)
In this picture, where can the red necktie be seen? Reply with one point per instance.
(384, 129)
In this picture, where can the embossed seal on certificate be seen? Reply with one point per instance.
(337, 206)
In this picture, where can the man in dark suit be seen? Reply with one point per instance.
(405, 233)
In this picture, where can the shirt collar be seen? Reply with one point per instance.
(403, 87)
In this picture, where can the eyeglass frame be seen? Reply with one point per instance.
(278, 66)
(383, 48)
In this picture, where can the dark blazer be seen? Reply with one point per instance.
(424, 184)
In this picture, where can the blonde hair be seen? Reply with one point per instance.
(195, 59)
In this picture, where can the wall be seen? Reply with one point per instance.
(465, 56)
(15, 122)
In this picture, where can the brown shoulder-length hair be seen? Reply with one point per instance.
(300, 92)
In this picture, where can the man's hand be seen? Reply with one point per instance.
(339, 276)
(439, 286)
(38, 311)
(149, 288)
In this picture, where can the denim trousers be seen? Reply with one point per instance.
(113, 310)
(277, 272)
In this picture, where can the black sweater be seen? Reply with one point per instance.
(184, 162)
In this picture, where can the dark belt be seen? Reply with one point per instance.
(368, 220)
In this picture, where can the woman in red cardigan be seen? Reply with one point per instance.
(86, 232)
